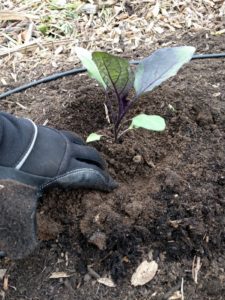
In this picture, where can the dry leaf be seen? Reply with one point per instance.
(2, 273)
(106, 281)
(56, 275)
(144, 273)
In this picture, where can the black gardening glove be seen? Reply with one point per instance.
(33, 158)
(43, 157)
(18, 203)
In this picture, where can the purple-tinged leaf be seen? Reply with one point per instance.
(161, 65)
(86, 58)
(115, 72)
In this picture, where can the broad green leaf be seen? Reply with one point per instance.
(93, 137)
(86, 58)
(150, 122)
(161, 65)
(115, 72)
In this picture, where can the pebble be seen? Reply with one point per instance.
(137, 159)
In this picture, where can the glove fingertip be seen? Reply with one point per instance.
(112, 184)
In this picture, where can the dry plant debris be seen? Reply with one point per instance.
(176, 296)
(5, 285)
(144, 273)
(196, 266)
(42, 28)
(2, 273)
(106, 281)
(56, 275)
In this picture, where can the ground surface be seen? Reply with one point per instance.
(170, 204)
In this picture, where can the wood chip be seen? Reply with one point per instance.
(56, 275)
(106, 281)
(144, 273)
(97, 24)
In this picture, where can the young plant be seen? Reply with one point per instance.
(117, 77)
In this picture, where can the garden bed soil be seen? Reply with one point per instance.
(170, 204)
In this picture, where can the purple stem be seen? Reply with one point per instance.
(121, 116)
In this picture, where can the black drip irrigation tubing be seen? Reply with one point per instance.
(82, 70)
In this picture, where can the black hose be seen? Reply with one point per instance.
(42, 80)
(82, 70)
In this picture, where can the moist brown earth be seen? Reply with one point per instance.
(170, 204)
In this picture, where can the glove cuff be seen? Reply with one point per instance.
(17, 137)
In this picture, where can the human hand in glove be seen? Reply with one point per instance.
(32, 159)
(43, 157)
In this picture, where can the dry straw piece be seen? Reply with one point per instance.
(114, 26)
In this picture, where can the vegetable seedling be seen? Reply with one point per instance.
(118, 78)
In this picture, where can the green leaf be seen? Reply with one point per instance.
(86, 58)
(161, 65)
(115, 71)
(149, 122)
(93, 137)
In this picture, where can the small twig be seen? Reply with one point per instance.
(196, 266)
(110, 108)
(107, 113)
(21, 105)
(123, 132)
(182, 288)
(18, 48)
(9, 38)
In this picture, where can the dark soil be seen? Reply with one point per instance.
(170, 204)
